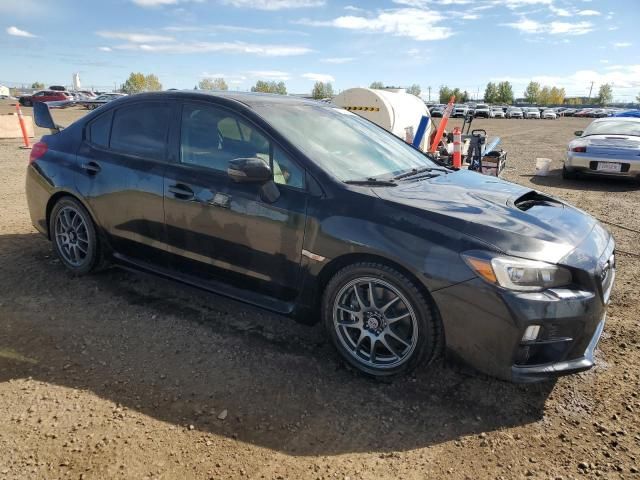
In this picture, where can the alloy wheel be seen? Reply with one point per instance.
(72, 237)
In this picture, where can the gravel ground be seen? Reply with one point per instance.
(119, 375)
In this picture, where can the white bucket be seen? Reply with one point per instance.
(542, 166)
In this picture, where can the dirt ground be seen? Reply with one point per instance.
(119, 375)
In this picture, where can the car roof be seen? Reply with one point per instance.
(249, 99)
(622, 119)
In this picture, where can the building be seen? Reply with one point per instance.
(4, 91)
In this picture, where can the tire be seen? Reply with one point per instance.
(568, 174)
(74, 238)
(414, 337)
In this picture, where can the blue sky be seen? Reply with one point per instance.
(464, 43)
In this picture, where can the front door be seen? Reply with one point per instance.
(219, 230)
(122, 161)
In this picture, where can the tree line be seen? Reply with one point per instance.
(501, 92)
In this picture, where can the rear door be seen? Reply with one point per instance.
(218, 230)
(122, 161)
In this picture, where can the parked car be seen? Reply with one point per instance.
(585, 112)
(482, 110)
(294, 206)
(437, 110)
(570, 112)
(531, 112)
(608, 146)
(497, 112)
(93, 103)
(514, 112)
(549, 114)
(43, 96)
(460, 110)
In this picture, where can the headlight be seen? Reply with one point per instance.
(518, 273)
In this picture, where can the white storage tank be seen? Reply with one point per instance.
(394, 110)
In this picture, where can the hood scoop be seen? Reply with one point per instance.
(535, 199)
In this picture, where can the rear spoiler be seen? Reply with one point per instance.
(42, 114)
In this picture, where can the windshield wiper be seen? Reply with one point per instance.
(371, 181)
(417, 171)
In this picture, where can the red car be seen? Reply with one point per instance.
(43, 96)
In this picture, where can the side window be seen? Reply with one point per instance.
(99, 130)
(141, 130)
(210, 137)
(285, 172)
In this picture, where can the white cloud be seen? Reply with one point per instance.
(561, 12)
(135, 37)
(513, 4)
(337, 60)
(274, 4)
(622, 44)
(318, 77)
(270, 75)
(354, 9)
(105, 49)
(589, 13)
(528, 26)
(218, 47)
(621, 77)
(470, 16)
(405, 22)
(16, 32)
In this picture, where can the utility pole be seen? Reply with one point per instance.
(590, 90)
(429, 88)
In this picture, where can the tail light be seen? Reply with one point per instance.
(579, 149)
(37, 151)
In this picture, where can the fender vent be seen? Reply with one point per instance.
(534, 199)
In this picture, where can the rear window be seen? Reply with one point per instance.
(613, 127)
(141, 130)
(99, 130)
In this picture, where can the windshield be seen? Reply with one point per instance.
(613, 127)
(342, 143)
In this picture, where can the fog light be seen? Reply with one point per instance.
(531, 333)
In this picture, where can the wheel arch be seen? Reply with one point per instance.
(55, 198)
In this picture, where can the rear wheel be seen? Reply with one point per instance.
(74, 236)
(378, 320)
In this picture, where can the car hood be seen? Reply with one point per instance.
(517, 220)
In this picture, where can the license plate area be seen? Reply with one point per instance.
(610, 167)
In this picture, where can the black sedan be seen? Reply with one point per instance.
(311, 211)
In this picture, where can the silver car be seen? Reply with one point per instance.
(514, 112)
(609, 146)
(497, 112)
(531, 112)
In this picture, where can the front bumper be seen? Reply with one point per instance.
(485, 325)
(585, 163)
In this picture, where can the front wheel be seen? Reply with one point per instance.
(74, 236)
(379, 321)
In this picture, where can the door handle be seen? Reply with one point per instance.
(91, 168)
(181, 192)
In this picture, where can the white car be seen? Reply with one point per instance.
(514, 112)
(609, 146)
(548, 113)
(531, 112)
(482, 110)
(497, 112)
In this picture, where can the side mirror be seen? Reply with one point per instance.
(249, 170)
(42, 117)
(578, 133)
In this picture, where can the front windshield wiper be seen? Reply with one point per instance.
(371, 181)
(417, 171)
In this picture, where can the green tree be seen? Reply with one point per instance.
(269, 87)
(491, 93)
(37, 85)
(605, 94)
(414, 90)
(505, 93)
(445, 94)
(532, 92)
(151, 83)
(213, 84)
(136, 83)
(322, 90)
(638, 98)
(377, 85)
